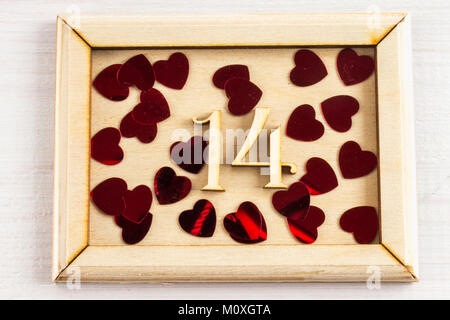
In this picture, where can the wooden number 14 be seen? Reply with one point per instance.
(214, 152)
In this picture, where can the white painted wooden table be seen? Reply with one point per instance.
(27, 50)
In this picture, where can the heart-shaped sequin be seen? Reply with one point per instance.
(200, 221)
(243, 96)
(302, 124)
(109, 196)
(320, 177)
(309, 69)
(247, 224)
(105, 146)
(353, 68)
(129, 128)
(137, 203)
(137, 71)
(189, 155)
(305, 230)
(362, 222)
(152, 109)
(172, 73)
(222, 75)
(169, 187)
(338, 112)
(354, 162)
(292, 203)
(107, 85)
(133, 233)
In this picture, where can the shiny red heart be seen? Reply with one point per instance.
(362, 222)
(189, 155)
(352, 68)
(292, 203)
(354, 162)
(305, 230)
(109, 196)
(130, 128)
(309, 69)
(152, 109)
(137, 71)
(137, 203)
(247, 224)
(105, 146)
(243, 95)
(107, 85)
(302, 124)
(172, 73)
(133, 233)
(201, 221)
(222, 75)
(338, 112)
(170, 188)
(320, 177)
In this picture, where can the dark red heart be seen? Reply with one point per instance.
(320, 177)
(134, 232)
(152, 109)
(172, 73)
(243, 95)
(222, 75)
(338, 112)
(292, 203)
(137, 71)
(305, 230)
(309, 69)
(109, 196)
(302, 124)
(362, 222)
(247, 224)
(107, 85)
(169, 187)
(352, 68)
(189, 155)
(105, 146)
(137, 203)
(130, 128)
(354, 162)
(201, 221)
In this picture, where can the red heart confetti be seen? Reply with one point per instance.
(247, 224)
(129, 128)
(137, 71)
(137, 203)
(174, 72)
(354, 162)
(305, 230)
(133, 233)
(109, 196)
(309, 69)
(170, 188)
(338, 112)
(362, 222)
(201, 221)
(292, 203)
(107, 85)
(243, 96)
(152, 109)
(320, 177)
(222, 75)
(105, 146)
(302, 124)
(189, 155)
(352, 68)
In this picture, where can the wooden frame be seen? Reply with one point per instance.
(396, 255)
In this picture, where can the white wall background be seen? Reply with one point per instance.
(27, 58)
